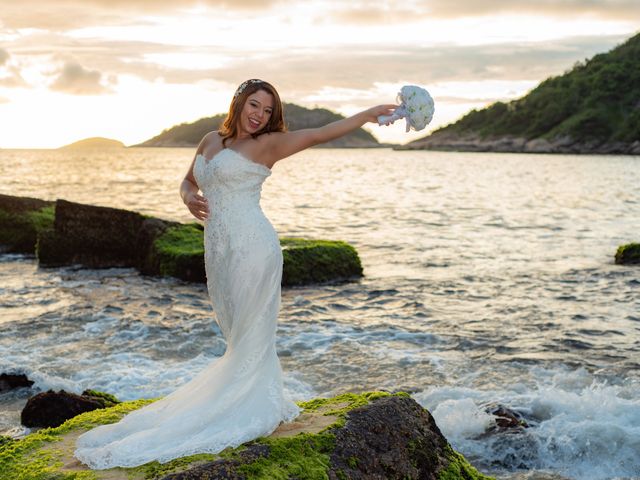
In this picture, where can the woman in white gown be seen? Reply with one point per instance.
(239, 396)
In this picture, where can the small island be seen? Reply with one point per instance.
(296, 118)
(93, 143)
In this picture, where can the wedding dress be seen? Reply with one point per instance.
(239, 396)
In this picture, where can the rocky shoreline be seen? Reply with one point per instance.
(370, 435)
(66, 233)
(472, 142)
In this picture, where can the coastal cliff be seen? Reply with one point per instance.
(593, 108)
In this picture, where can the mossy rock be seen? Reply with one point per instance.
(179, 252)
(5, 440)
(318, 261)
(93, 236)
(107, 399)
(104, 237)
(628, 254)
(21, 221)
(359, 436)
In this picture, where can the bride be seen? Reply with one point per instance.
(239, 396)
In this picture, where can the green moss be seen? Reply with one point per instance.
(109, 400)
(627, 254)
(20, 231)
(31, 458)
(179, 252)
(304, 456)
(459, 468)
(353, 400)
(181, 240)
(336, 405)
(317, 261)
(341, 475)
(154, 470)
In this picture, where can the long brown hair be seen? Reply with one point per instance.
(229, 127)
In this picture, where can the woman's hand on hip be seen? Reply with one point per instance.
(198, 206)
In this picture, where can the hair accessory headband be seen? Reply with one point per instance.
(244, 85)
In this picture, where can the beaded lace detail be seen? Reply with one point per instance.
(239, 396)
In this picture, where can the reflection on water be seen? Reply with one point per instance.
(488, 277)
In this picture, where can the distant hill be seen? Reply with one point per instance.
(593, 108)
(94, 142)
(296, 118)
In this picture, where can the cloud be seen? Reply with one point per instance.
(622, 9)
(305, 71)
(70, 14)
(77, 80)
(380, 12)
(9, 74)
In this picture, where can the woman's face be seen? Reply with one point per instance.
(256, 112)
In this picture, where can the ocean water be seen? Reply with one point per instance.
(489, 279)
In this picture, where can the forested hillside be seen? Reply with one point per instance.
(594, 107)
(296, 118)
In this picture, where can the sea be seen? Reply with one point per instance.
(489, 280)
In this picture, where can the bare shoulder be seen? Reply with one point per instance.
(211, 141)
(266, 146)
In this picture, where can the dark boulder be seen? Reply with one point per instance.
(22, 219)
(628, 254)
(9, 381)
(51, 409)
(96, 237)
(105, 237)
(226, 469)
(392, 437)
(506, 419)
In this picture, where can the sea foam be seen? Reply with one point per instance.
(579, 426)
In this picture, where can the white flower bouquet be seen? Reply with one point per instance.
(416, 107)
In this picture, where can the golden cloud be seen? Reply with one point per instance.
(77, 80)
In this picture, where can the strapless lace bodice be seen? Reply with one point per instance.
(230, 174)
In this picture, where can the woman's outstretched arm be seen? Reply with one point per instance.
(288, 143)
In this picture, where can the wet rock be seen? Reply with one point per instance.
(51, 409)
(97, 237)
(318, 261)
(369, 435)
(9, 381)
(392, 437)
(506, 419)
(473, 142)
(226, 469)
(628, 254)
(104, 237)
(21, 221)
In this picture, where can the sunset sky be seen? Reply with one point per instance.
(127, 69)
